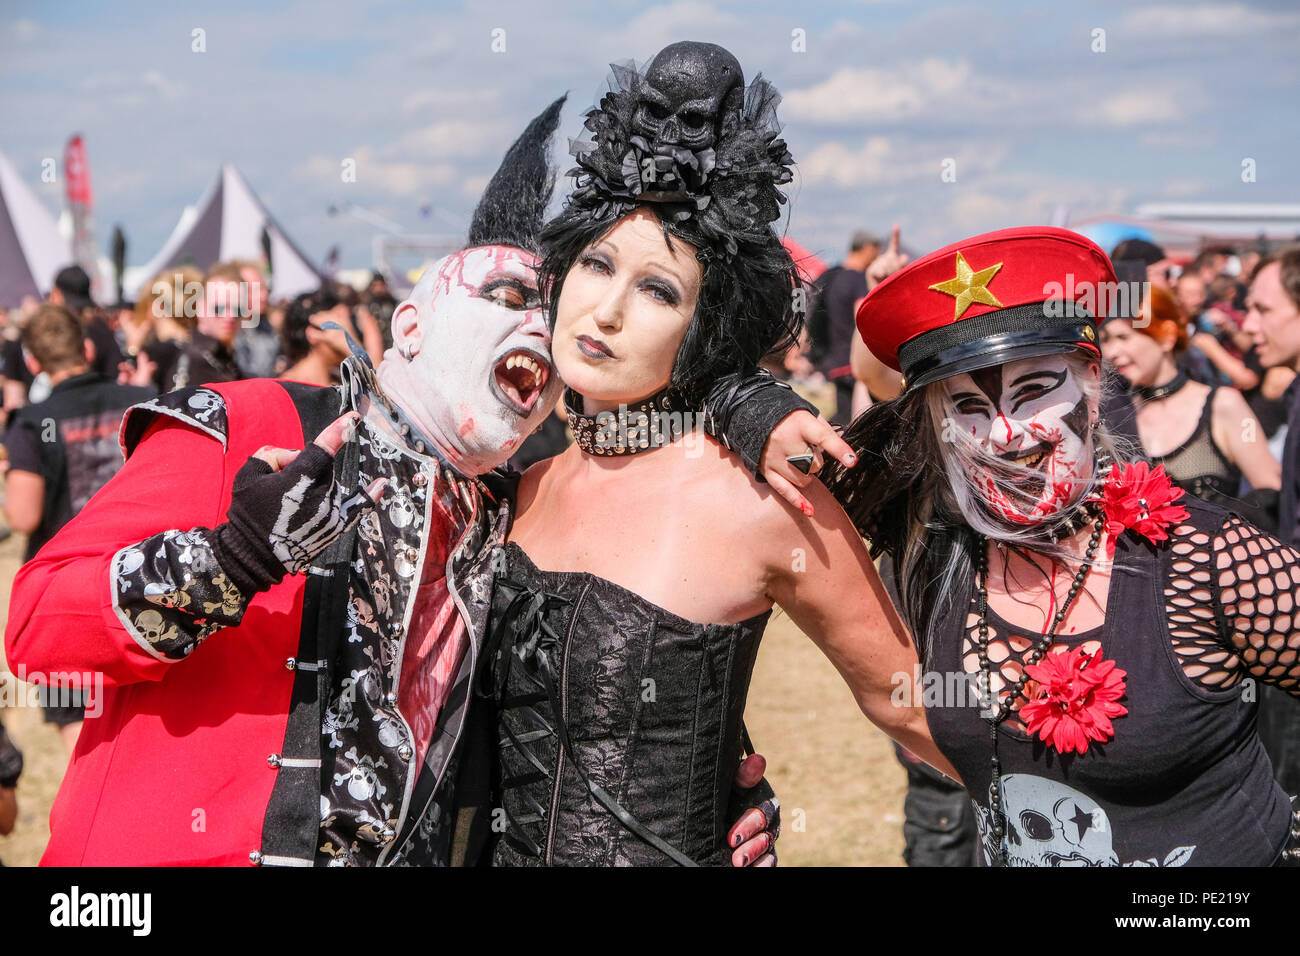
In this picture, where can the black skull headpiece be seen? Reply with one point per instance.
(687, 133)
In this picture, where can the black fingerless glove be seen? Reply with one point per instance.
(278, 522)
(742, 410)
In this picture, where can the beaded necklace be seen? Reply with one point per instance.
(997, 821)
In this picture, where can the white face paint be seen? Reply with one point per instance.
(1027, 426)
(480, 379)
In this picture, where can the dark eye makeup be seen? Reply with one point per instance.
(1035, 385)
(511, 294)
(659, 289)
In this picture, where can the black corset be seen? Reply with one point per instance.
(619, 723)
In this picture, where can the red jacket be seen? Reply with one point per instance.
(200, 782)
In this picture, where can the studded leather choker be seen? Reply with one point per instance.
(1153, 393)
(642, 426)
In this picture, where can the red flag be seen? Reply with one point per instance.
(77, 171)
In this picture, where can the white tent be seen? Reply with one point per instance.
(226, 224)
(32, 250)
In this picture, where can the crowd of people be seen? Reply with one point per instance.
(333, 461)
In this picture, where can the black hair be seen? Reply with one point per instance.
(297, 319)
(745, 306)
(1148, 252)
(894, 495)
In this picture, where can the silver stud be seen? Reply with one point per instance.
(391, 697)
(398, 630)
(291, 664)
(273, 761)
(255, 858)
(419, 480)
(405, 752)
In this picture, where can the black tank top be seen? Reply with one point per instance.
(1184, 780)
(1199, 465)
(619, 723)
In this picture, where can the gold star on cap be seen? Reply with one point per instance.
(969, 286)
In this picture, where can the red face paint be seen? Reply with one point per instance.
(1030, 456)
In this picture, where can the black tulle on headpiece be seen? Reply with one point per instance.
(513, 205)
(689, 136)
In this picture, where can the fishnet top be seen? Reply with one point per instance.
(1230, 600)
(1198, 464)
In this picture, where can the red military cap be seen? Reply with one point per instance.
(988, 300)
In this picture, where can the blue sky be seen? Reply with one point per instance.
(881, 95)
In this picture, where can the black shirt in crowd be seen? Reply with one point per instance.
(14, 368)
(843, 289)
(199, 361)
(71, 441)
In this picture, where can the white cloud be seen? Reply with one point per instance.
(1213, 20)
(24, 31)
(659, 26)
(1022, 200)
(855, 95)
(395, 177)
(168, 88)
(454, 138)
(1133, 107)
(883, 160)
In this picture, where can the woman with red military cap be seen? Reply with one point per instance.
(1111, 628)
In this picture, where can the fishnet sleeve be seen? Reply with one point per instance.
(1231, 601)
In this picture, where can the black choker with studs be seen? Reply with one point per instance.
(643, 426)
(1153, 393)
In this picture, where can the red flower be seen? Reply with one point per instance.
(1141, 499)
(1077, 695)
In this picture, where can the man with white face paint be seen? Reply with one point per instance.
(1107, 624)
(289, 639)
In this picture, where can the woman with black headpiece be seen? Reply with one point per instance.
(1113, 626)
(620, 707)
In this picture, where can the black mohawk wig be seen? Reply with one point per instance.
(512, 208)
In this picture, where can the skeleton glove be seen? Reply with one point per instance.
(279, 522)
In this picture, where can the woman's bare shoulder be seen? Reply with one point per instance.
(535, 477)
(764, 514)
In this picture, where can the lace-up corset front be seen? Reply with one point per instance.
(619, 723)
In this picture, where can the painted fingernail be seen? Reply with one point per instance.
(806, 508)
(851, 458)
